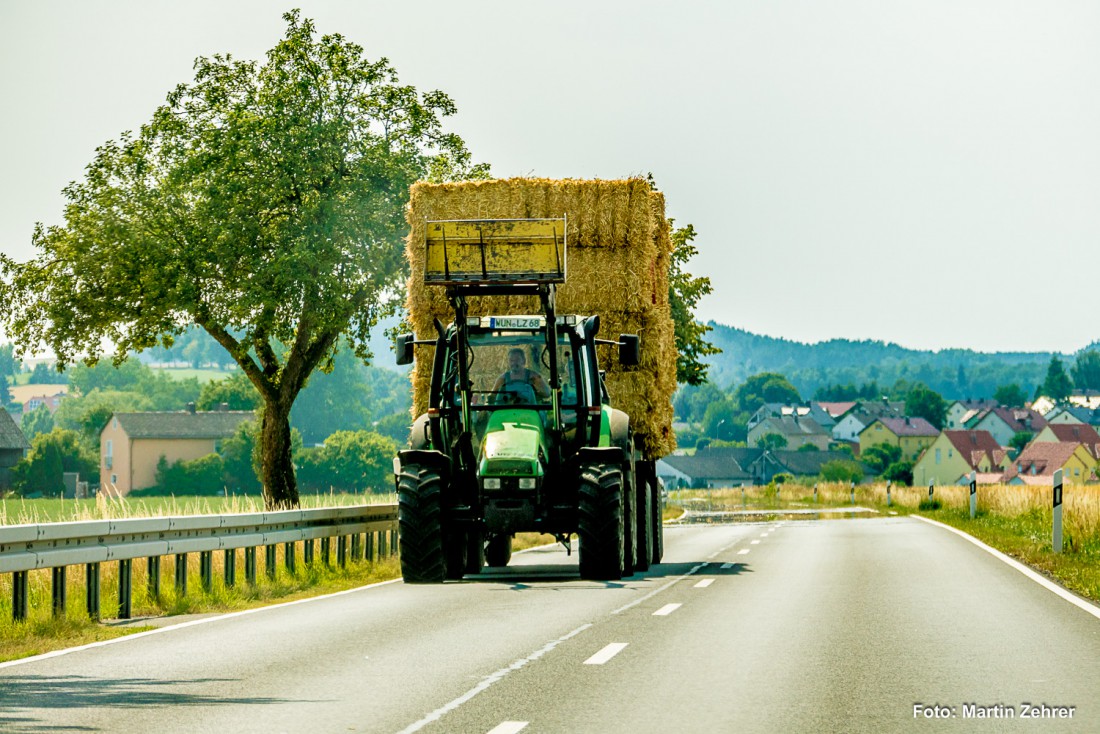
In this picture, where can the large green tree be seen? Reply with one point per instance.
(1086, 370)
(1010, 395)
(1057, 385)
(924, 402)
(766, 387)
(263, 202)
(684, 292)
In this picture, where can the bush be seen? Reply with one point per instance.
(900, 472)
(353, 461)
(840, 470)
(201, 477)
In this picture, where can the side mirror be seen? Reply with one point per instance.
(404, 349)
(630, 350)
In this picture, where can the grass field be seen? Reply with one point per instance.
(202, 375)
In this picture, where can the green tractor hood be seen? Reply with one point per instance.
(513, 445)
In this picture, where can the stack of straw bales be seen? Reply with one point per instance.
(618, 258)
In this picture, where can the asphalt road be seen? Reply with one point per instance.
(831, 625)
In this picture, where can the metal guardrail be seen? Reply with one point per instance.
(57, 546)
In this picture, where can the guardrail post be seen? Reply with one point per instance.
(1056, 539)
(288, 558)
(326, 551)
(392, 542)
(370, 547)
(357, 547)
(206, 570)
(230, 567)
(269, 560)
(342, 551)
(19, 595)
(125, 588)
(973, 495)
(308, 547)
(60, 591)
(91, 579)
(152, 565)
(250, 565)
(181, 574)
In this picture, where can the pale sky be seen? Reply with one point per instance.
(923, 172)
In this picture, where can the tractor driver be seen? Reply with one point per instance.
(521, 382)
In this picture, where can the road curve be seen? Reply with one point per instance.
(839, 625)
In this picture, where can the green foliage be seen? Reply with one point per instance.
(1010, 395)
(1086, 370)
(236, 391)
(333, 400)
(52, 454)
(1020, 440)
(241, 459)
(684, 292)
(46, 374)
(880, 456)
(843, 446)
(353, 461)
(691, 401)
(782, 478)
(202, 476)
(720, 420)
(848, 392)
(39, 420)
(926, 403)
(87, 415)
(396, 427)
(840, 470)
(766, 387)
(771, 442)
(899, 472)
(161, 391)
(265, 202)
(807, 447)
(1057, 385)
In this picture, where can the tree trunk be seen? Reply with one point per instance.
(280, 485)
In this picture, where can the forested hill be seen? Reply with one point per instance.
(954, 373)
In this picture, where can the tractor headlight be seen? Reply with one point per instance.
(527, 482)
(491, 482)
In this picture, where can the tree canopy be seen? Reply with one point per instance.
(1057, 385)
(924, 402)
(684, 292)
(263, 202)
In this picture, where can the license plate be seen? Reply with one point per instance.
(515, 322)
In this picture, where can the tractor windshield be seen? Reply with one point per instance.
(513, 368)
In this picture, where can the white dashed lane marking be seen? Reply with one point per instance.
(704, 583)
(509, 727)
(754, 542)
(666, 610)
(727, 565)
(606, 654)
(743, 551)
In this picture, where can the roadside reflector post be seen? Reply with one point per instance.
(853, 490)
(1057, 539)
(888, 501)
(931, 490)
(815, 492)
(973, 495)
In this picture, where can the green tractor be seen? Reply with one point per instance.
(520, 434)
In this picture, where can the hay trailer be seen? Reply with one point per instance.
(520, 434)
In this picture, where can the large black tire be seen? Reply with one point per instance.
(499, 550)
(419, 518)
(630, 515)
(644, 524)
(475, 551)
(600, 522)
(658, 518)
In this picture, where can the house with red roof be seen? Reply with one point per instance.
(911, 435)
(1004, 423)
(1071, 433)
(1037, 463)
(954, 454)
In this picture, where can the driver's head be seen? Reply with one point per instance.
(517, 360)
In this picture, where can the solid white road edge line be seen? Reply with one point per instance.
(490, 680)
(605, 654)
(658, 590)
(704, 583)
(1036, 577)
(666, 610)
(509, 727)
(192, 623)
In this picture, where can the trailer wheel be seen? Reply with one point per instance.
(499, 550)
(644, 524)
(419, 518)
(658, 497)
(600, 522)
(631, 547)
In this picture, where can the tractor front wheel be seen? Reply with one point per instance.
(420, 518)
(499, 550)
(600, 522)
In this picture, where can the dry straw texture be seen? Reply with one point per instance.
(618, 256)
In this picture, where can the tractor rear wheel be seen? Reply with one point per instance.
(644, 524)
(499, 550)
(600, 522)
(658, 499)
(419, 517)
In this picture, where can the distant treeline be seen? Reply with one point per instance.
(956, 373)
